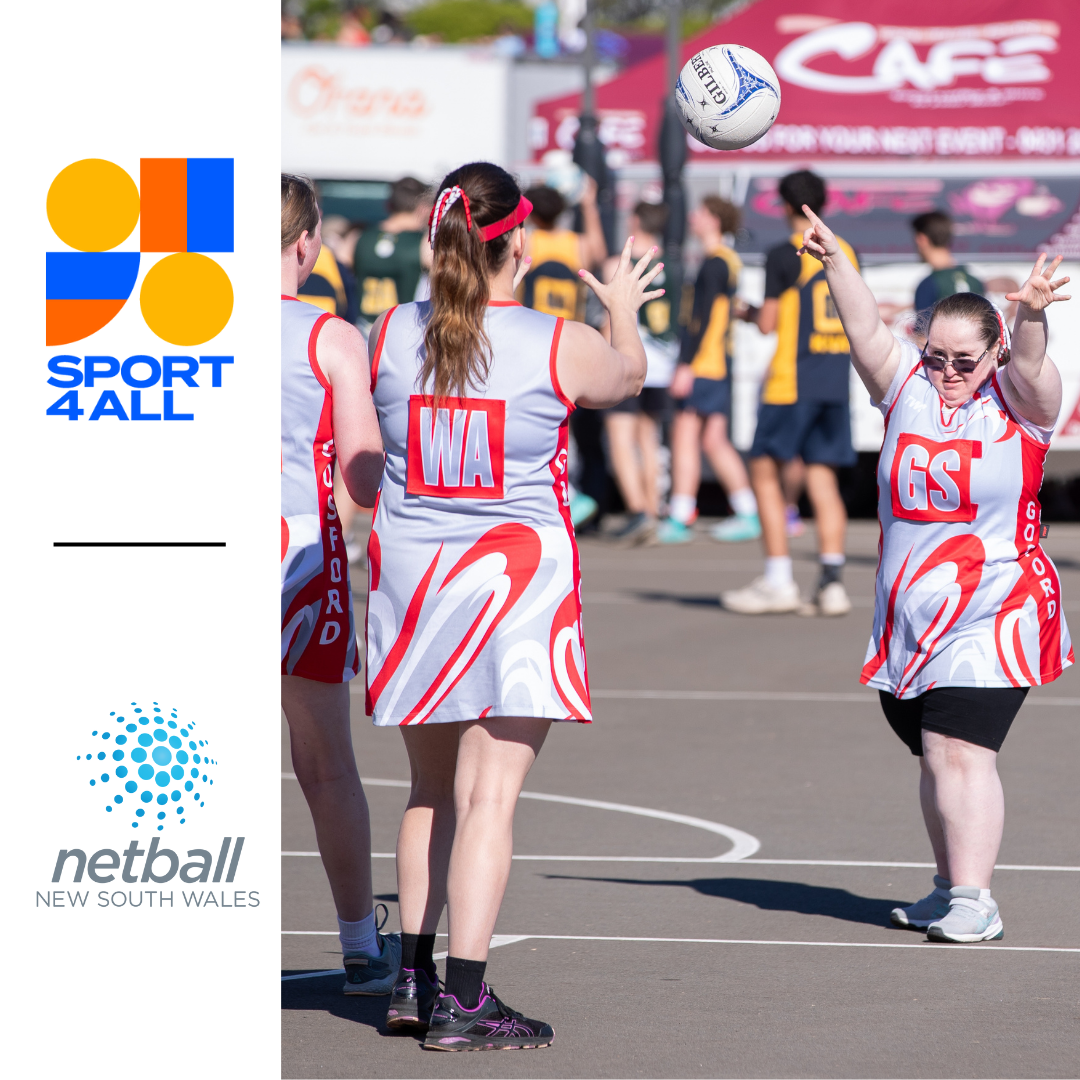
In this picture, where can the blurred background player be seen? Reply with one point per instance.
(933, 240)
(634, 426)
(324, 363)
(553, 286)
(804, 412)
(325, 286)
(340, 235)
(702, 389)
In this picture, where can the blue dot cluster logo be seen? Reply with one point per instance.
(153, 767)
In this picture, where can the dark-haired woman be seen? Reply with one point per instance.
(474, 612)
(969, 612)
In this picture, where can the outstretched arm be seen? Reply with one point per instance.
(1030, 381)
(875, 353)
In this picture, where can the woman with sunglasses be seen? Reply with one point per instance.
(968, 609)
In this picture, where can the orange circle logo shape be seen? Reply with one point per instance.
(186, 299)
(93, 205)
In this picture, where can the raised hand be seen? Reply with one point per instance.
(1039, 291)
(629, 284)
(818, 240)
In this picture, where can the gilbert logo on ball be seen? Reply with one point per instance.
(149, 766)
(183, 206)
(728, 96)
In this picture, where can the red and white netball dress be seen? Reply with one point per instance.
(318, 638)
(474, 605)
(965, 594)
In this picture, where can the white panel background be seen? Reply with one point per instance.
(143, 992)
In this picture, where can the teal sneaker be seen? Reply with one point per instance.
(583, 508)
(670, 531)
(374, 975)
(922, 913)
(734, 530)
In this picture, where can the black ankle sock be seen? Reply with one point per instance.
(465, 980)
(416, 950)
(829, 574)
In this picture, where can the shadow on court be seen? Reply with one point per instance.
(323, 994)
(709, 600)
(774, 896)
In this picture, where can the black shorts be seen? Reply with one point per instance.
(709, 397)
(817, 431)
(977, 714)
(654, 401)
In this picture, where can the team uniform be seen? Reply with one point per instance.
(387, 268)
(552, 284)
(804, 410)
(474, 605)
(942, 283)
(660, 340)
(318, 637)
(707, 340)
(966, 597)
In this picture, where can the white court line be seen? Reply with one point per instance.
(741, 841)
(931, 946)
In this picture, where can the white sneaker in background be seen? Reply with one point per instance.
(761, 598)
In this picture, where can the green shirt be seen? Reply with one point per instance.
(387, 268)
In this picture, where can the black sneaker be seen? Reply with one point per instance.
(490, 1026)
(414, 998)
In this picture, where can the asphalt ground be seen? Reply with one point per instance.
(651, 958)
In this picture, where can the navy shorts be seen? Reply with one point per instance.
(817, 431)
(708, 397)
(977, 714)
(654, 401)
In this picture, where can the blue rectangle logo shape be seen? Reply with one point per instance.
(90, 275)
(209, 204)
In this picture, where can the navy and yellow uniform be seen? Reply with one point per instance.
(552, 284)
(707, 339)
(804, 409)
(325, 287)
(387, 268)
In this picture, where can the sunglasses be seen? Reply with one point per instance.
(962, 365)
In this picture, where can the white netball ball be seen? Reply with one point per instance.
(728, 96)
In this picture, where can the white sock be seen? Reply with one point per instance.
(359, 937)
(681, 508)
(778, 571)
(743, 502)
(984, 894)
(832, 560)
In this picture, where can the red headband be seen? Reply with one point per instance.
(511, 221)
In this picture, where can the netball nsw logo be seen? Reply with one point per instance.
(183, 207)
(148, 766)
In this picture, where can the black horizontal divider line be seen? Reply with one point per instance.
(139, 543)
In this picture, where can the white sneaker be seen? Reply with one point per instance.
(969, 918)
(832, 600)
(761, 598)
(922, 913)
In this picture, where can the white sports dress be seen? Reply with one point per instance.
(318, 638)
(474, 602)
(965, 594)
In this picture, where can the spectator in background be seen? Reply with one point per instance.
(390, 259)
(933, 240)
(804, 412)
(702, 388)
(325, 287)
(634, 426)
(340, 236)
(553, 286)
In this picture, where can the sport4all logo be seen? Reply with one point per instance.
(183, 207)
(150, 766)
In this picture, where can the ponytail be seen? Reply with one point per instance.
(457, 352)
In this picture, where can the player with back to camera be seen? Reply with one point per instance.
(474, 617)
(968, 610)
(804, 413)
(933, 240)
(702, 389)
(326, 418)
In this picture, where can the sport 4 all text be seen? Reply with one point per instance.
(124, 400)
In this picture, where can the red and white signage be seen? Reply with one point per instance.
(975, 78)
(931, 481)
(456, 450)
